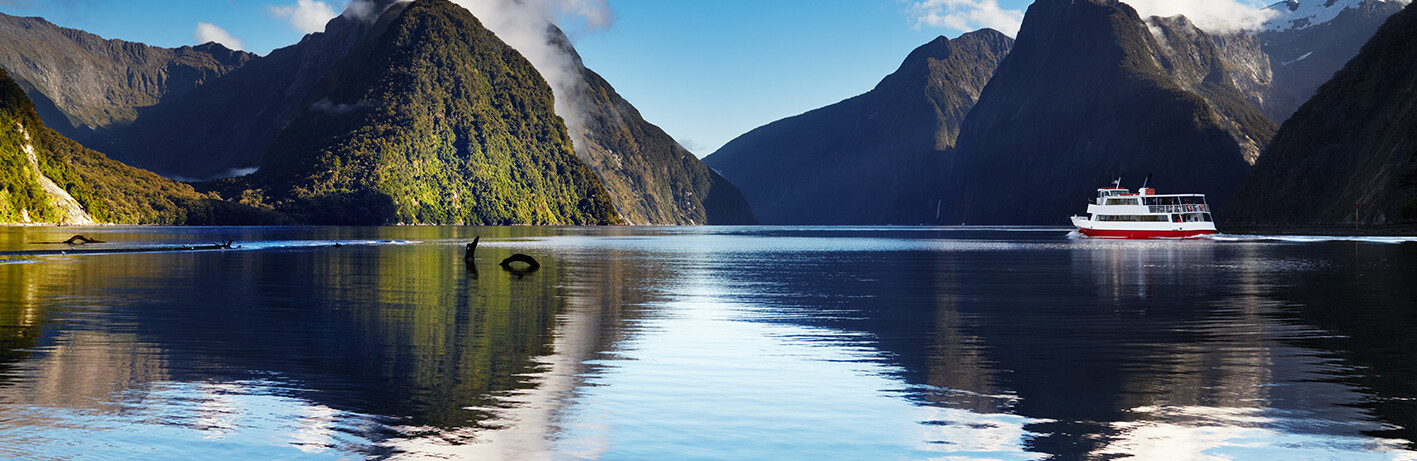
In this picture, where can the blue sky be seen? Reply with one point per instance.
(705, 71)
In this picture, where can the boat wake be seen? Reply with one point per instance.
(1310, 238)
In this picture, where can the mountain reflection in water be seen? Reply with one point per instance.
(706, 342)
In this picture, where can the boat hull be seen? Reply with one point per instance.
(1144, 234)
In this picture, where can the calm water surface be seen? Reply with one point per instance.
(706, 343)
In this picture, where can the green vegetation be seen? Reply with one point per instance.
(20, 192)
(430, 119)
(108, 190)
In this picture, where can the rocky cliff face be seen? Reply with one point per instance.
(1083, 99)
(1217, 68)
(1350, 152)
(869, 159)
(84, 85)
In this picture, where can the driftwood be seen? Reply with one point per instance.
(531, 263)
(471, 248)
(228, 245)
(80, 240)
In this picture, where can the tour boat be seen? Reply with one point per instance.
(1119, 213)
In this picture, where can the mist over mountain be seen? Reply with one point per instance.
(1349, 153)
(229, 126)
(862, 160)
(651, 178)
(429, 118)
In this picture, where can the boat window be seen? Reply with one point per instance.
(1193, 217)
(1121, 201)
(1132, 218)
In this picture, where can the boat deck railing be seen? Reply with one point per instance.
(1188, 208)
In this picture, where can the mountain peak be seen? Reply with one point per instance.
(1303, 14)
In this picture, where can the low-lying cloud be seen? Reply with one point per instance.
(526, 26)
(306, 16)
(1213, 16)
(208, 32)
(965, 15)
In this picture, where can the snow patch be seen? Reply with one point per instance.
(1301, 58)
(1303, 14)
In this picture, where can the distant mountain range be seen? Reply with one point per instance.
(1091, 91)
(868, 158)
(1349, 154)
(450, 146)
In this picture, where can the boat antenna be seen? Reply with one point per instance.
(1147, 180)
(1118, 182)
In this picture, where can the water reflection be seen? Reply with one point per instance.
(759, 343)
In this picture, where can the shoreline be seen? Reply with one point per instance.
(1334, 230)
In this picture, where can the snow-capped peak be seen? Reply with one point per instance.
(1302, 14)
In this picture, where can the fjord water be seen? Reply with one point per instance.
(706, 343)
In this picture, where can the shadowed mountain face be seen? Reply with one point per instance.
(650, 177)
(1216, 68)
(1304, 55)
(1079, 101)
(1351, 150)
(84, 86)
(869, 159)
(47, 178)
(430, 118)
(224, 127)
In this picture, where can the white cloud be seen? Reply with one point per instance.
(306, 16)
(524, 25)
(1214, 16)
(965, 15)
(208, 32)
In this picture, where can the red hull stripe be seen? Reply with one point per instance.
(1143, 234)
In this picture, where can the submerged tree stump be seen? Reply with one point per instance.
(531, 264)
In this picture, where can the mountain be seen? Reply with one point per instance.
(1216, 68)
(1308, 40)
(47, 178)
(1081, 100)
(83, 85)
(227, 126)
(223, 128)
(1352, 148)
(428, 118)
(864, 159)
(651, 178)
